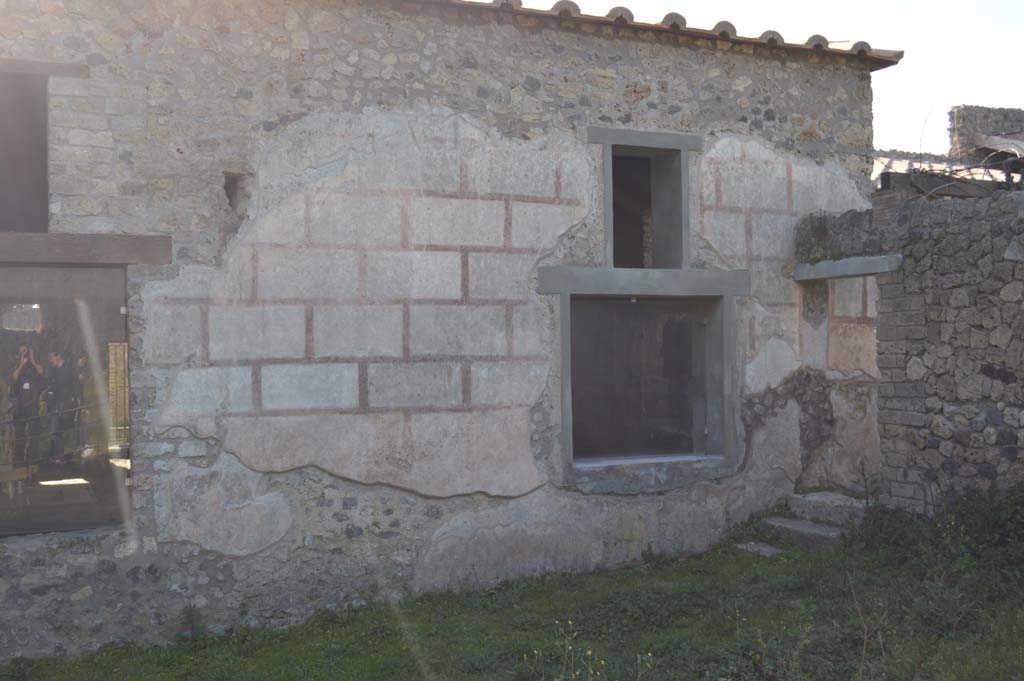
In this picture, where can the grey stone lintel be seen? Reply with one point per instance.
(848, 267)
(644, 139)
(648, 282)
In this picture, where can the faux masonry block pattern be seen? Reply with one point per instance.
(376, 301)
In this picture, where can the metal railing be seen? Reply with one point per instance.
(49, 436)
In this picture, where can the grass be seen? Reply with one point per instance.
(903, 598)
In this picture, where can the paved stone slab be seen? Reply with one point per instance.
(828, 507)
(760, 548)
(806, 534)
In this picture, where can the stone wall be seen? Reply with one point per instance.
(950, 344)
(970, 125)
(344, 387)
(950, 340)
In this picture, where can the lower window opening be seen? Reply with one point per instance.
(64, 401)
(639, 376)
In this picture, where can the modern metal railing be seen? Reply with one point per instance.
(30, 440)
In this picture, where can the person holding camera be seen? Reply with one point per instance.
(26, 385)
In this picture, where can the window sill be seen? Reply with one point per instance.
(644, 474)
(645, 459)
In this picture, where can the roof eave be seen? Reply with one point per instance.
(620, 17)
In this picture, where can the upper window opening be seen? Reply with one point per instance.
(24, 190)
(648, 195)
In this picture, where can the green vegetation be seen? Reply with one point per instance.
(903, 598)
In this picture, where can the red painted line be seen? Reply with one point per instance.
(558, 179)
(358, 411)
(310, 351)
(467, 384)
(464, 195)
(753, 211)
(508, 225)
(483, 249)
(308, 223)
(463, 177)
(204, 335)
(364, 386)
(257, 387)
(254, 294)
(725, 209)
(340, 302)
(509, 330)
(404, 224)
(748, 235)
(406, 331)
(381, 359)
(439, 248)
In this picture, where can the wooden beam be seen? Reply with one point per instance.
(25, 248)
(44, 68)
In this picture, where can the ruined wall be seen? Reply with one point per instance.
(344, 387)
(970, 125)
(950, 339)
(950, 343)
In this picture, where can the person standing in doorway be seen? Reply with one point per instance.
(26, 385)
(61, 380)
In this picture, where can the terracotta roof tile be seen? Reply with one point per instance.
(676, 23)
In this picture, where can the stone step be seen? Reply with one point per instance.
(827, 507)
(806, 534)
(760, 548)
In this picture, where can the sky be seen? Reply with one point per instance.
(969, 52)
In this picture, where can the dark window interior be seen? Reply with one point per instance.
(24, 192)
(638, 375)
(631, 201)
(647, 205)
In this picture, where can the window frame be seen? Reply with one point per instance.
(43, 70)
(120, 251)
(630, 473)
(659, 147)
